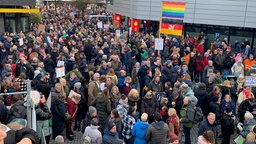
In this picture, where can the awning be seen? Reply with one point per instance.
(18, 10)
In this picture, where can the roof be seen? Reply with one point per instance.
(17, 2)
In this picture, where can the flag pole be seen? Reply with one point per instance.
(160, 25)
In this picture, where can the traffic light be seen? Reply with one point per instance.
(135, 25)
(118, 19)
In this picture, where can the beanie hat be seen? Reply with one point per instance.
(228, 110)
(77, 85)
(176, 68)
(92, 110)
(158, 117)
(111, 124)
(144, 117)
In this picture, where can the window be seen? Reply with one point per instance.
(24, 24)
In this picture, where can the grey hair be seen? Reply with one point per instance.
(59, 139)
(248, 115)
(96, 75)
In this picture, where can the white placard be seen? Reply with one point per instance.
(99, 24)
(159, 44)
(250, 81)
(21, 42)
(106, 26)
(71, 93)
(49, 39)
(60, 72)
(118, 33)
(60, 63)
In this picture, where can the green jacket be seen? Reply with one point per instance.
(187, 115)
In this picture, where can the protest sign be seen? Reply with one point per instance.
(159, 44)
(41, 28)
(21, 41)
(118, 33)
(99, 24)
(106, 26)
(60, 72)
(250, 81)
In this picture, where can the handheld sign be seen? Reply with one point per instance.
(99, 24)
(159, 44)
(250, 81)
(60, 72)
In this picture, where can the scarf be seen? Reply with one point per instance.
(247, 94)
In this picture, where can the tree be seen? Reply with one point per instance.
(82, 5)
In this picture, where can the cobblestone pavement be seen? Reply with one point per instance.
(77, 139)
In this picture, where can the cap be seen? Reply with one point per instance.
(77, 85)
(144, 117)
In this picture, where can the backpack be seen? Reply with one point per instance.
(198, 117)
(87, 140)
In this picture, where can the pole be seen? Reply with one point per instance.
(55, 6)
(28, 105)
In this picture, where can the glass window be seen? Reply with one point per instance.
(194, 30)
(222, 33)
(240, 36)
(10, 25)
(24, 24)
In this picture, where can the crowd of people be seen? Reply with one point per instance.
(120, 89)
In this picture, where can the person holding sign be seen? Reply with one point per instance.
(73, 100)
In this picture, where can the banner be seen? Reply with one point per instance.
(172, 18)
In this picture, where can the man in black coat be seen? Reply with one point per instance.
(24, 67)
(246, 105)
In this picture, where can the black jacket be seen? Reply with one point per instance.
(201, 96)
(25, 68)
(227, 124)
(14, 137)
(43, 112)
(243, 107)
(58, 109)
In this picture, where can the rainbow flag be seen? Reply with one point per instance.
(172, 18)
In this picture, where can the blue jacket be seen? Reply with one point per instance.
(121, 83)
(110, 138)
(205, 125)
(139, 131)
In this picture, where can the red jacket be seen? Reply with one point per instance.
(206, 59)
(72, 109)
(199, 65)
(200, 49)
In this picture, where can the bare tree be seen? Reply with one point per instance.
(82, 5)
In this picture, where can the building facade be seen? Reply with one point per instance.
(14, 16)
(234, 19)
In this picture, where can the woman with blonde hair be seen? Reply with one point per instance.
(114, 97)
(206, 138)
(173, 122)
(111, 73)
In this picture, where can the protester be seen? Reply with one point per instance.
(73, 53)
(158, 131)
